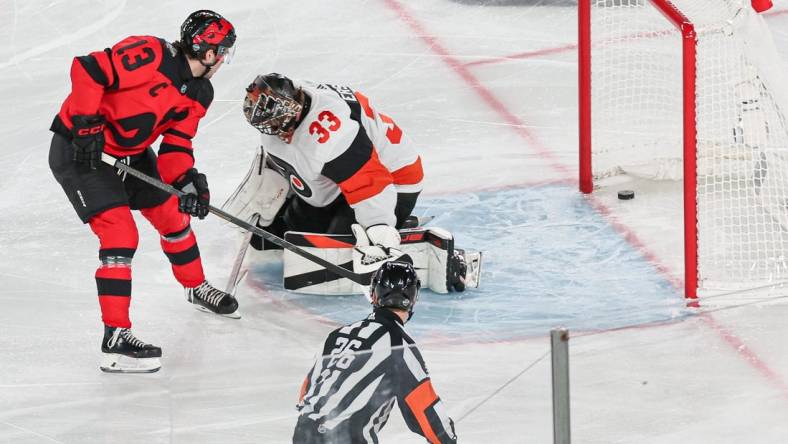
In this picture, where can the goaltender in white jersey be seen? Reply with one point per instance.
(333, 164)
(343, 149)
(344, 162)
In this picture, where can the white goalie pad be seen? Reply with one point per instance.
(262, 192)
(474, 274)
(237, 273)
(428, 247)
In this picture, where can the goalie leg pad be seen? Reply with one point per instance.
(262, 191)
(428, 248)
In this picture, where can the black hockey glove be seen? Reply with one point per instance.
(196, 198)
(88, 141)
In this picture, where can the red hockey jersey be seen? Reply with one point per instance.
(144, 88)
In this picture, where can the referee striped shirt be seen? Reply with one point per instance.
(364, 369)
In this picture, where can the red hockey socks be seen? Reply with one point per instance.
(177, 241)
(118, 239)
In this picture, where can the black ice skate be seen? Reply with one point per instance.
(206, 297)
(124, 353)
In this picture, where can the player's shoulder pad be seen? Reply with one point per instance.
(138, 51)
(344, 92)
(201, 91)
(136, 58)
(329, 128)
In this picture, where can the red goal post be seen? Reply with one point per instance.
(738, 125)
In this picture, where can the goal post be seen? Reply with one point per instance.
(691, 90)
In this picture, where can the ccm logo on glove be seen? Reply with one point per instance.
(88, 139)
(92, 130)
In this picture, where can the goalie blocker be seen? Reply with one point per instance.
(431, 250)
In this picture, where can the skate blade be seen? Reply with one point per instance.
(234, 315)
(115, 363)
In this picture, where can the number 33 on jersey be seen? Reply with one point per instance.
(345, 146)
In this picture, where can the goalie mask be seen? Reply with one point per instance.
(272, 104)
(395, 285)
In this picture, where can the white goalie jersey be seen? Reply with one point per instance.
(343, 146)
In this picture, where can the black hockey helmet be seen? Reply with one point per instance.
(204, 30)
(395, 285)
(272, 104)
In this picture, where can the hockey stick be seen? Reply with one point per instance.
(345, 273)
(236, 276)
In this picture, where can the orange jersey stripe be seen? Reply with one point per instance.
(419, 400)
(326, 242)
(364, 102)
(409, 174)
(302, 392)
(368, 181)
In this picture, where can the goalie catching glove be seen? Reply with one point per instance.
(374, 246)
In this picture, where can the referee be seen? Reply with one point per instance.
(368, 365)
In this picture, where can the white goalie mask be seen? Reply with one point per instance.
(272, 104)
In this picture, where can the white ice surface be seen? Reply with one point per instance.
(499, 146)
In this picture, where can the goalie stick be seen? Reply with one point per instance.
(235, 275)
(357, 278)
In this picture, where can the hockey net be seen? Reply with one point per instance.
(692, 90)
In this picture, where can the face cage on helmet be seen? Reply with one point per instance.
(269, 114)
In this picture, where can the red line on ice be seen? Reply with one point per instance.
(518, 126)
(524, 55)
(745, 352)
(484, 93)
(263, 291)
(569, 47)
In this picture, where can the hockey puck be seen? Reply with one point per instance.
(626, 194)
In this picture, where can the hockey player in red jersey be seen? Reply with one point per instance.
(122, 99)
(366, 367)
(348, 166)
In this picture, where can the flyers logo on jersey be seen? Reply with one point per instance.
(296, 183)
(299, 186)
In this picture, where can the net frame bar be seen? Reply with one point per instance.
(689, 78)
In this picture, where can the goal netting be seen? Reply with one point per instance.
(650, 97)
